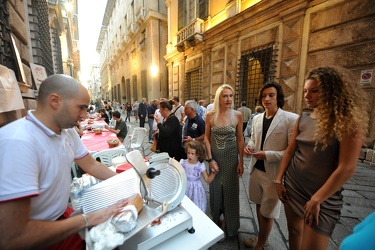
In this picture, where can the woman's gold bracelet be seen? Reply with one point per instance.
(277, 181)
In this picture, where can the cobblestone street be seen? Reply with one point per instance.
(359, 201)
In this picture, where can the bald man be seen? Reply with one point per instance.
(36, 153)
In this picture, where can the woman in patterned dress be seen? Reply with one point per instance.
(224, 149)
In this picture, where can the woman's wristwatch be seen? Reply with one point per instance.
(209, 160)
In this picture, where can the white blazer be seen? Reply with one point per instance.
(276, 141)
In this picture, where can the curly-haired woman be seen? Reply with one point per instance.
(321, 156)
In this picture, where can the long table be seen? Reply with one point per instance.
(97, 142)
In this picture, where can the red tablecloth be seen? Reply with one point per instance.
(96, 143)
(123, 167)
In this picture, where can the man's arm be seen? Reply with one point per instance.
(200, 138)
(95, 168)
(182, 115)
(118, 130)
(17, 231)
(202, 129)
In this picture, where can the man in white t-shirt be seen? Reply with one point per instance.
(209, 107)
(178, 109)
(36, 155)
(135, 110)
(158, 114)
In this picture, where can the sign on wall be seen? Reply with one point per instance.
(39, 74)
(366, 77)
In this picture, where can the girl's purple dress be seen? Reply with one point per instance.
(195, 190)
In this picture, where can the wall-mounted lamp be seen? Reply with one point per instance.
(154, 70)
(68, 7)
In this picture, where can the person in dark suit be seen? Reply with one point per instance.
(142, 112)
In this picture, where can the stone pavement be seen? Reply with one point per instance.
(359, 201)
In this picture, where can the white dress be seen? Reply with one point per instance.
(195, 190)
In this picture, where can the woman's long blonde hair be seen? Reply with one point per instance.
(215, 110)
(342, 107)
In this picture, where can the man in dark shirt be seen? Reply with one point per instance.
(120, 130)
(142, 112)
(194, 127)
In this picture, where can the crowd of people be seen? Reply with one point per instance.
(300, 161)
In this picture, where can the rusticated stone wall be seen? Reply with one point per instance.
(306, 34)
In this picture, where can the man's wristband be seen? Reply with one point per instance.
(86, 220)
(277, 181)
(209, 160)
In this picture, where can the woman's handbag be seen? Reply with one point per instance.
(154, 146)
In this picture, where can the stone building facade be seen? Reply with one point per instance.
(132, 45)
(246, 42)
(45, 33)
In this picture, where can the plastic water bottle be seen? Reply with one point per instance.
(75, 194)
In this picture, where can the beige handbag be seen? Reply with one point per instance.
(154, 146)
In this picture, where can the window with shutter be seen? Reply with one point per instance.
(192, 11)
(181, 15)
(193, 84)
(202, 9)
(40, 35)
(255, 68)
(6, 55)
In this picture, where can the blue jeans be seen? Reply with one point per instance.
(127, 115)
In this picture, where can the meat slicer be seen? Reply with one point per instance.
(162, 184)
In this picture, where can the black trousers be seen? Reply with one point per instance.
(142, 121)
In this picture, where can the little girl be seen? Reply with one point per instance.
(194, 167)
